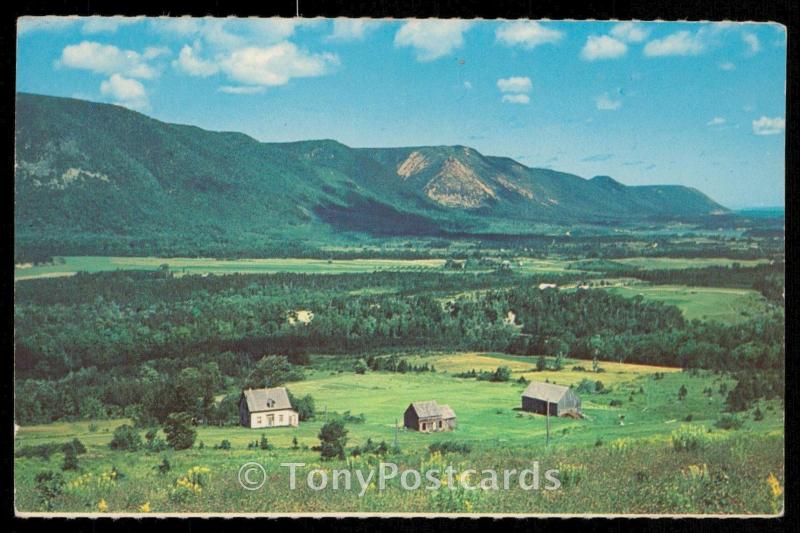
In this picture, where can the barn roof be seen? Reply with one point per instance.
(545, 391)
(267, 399)
(447, 412)
(432, 409)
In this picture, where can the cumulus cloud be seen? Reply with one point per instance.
(190, 62)
(105, 59)
(275, 65)
(516, 89)
(527, 34)
(432, 38)
(681, 43)
(125, 91)
(352, 29)
(716, 121)
(516, 98)
(515, 84)
(727, 65)
(602, 47)
(606, 103)
(94, 25)
(241, 89)
(769, 126)
(630, 32)
(231, 32)
(753, 44)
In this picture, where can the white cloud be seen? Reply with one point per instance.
(681, 43)
(602, 47)
(125, 91)
(515, 84)
(516, 98)
(769, 126)
(275, 65)
(468, 85)
(105, 59)
(727, 65)
(753, 44)
(190, 63)
(527, 34)
(630, 32)
(231, 32)
(352, 29)
(28, 24)
(152, 52)
(716, 121)
(605, 103)
(432, 38)
(92, 25)
(241, 89)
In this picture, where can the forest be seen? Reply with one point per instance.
(109, 343)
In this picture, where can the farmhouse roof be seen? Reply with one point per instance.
(432, 409)
(545, 391)
(267, 399)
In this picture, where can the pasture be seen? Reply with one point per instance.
(729, 306)
(636, 431)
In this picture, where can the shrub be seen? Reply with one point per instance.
(49, 485)
(689, 438)
(126, 438)
(688, 418)
(332, 437)
(757, 414)
(728, 421)
(360, 367)
(615, 403)
(449, 446)
(263, 443)
(180, 434)
(224, 445)
(70, 459)
(164, 466)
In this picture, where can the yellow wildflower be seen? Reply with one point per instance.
(145, 508)
(774, 485)
(102, 506)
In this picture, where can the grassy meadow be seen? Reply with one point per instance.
(627, 445)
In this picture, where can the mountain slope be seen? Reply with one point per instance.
(89, 173)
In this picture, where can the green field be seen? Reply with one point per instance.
(639, 429)
(184, 265)
(663, 263)
(725, 305)
(67, 266)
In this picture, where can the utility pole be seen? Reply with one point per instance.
(547, 443)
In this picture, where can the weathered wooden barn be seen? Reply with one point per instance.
(561, 400)
(429, 416)
(266, 408)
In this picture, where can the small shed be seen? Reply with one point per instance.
(561, 400)
(429, 416)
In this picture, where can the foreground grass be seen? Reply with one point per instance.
(625, 447)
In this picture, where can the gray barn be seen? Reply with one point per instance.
(562, 400)
(429, 416)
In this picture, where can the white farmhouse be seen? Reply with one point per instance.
(266, 408)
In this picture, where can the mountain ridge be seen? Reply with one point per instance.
(84, 168)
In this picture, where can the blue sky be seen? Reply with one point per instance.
(699, 104)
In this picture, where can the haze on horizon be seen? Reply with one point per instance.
(696, 104)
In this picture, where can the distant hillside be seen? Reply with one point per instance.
(92, 177)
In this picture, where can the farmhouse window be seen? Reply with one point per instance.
(280, 418)
(424, 427)
(258, 420)
(440, 424)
